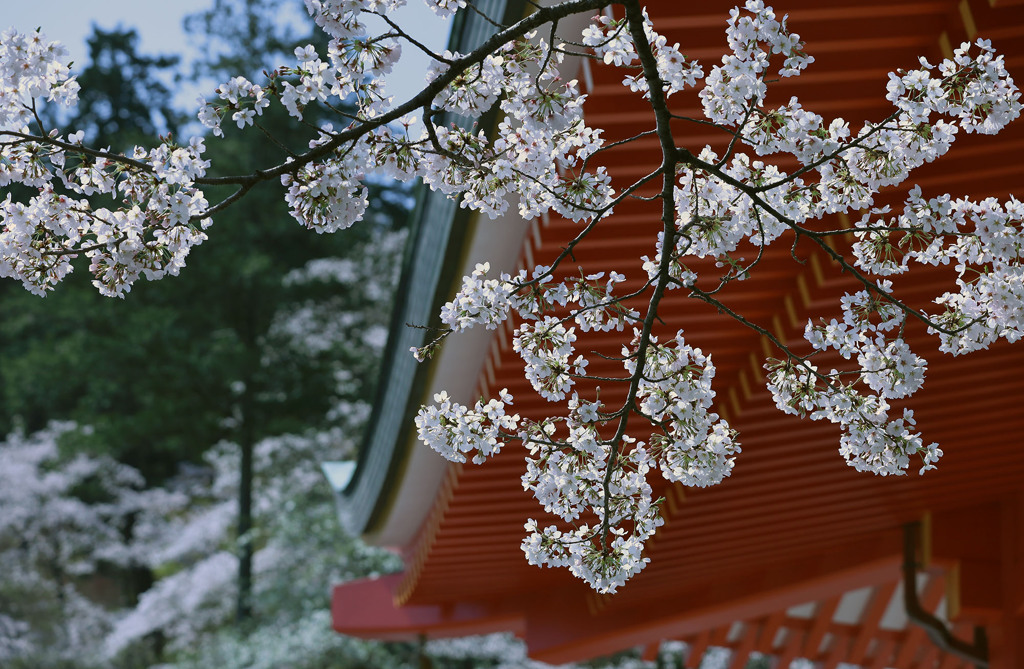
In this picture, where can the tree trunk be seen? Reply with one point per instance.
(243, 608)
(246, 439)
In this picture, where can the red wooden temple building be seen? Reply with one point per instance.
(795, 555)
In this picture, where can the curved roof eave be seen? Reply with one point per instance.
(387, 496)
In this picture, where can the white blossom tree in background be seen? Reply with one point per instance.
(590, 460)
(68, 523)
(72, 525)
(299, 552)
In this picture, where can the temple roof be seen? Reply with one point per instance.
(795, 554)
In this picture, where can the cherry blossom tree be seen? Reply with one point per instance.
(68, 524)
(590, 460)
(298, 552)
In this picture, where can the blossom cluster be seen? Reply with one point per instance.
(976, 90)
(981, 240)
(329, 196)
(489, 302)
(886, 364)
(587, 475)
(611, 40)
(31, 67)
(582, 476)
(871, 440)
(161, 214)
(538, 146)
(453, 429)
(695, 447)
(871, 331)
(152, 234)
(541, 137)
(546, 348)
(754, 35)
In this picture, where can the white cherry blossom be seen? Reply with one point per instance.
(588, 462)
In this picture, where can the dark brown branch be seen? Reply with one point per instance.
(635, 21)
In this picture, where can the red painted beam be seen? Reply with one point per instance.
(366, 608)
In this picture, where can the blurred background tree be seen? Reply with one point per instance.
(271, 331)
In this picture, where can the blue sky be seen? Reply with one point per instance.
(160, 28)
(158, 23)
